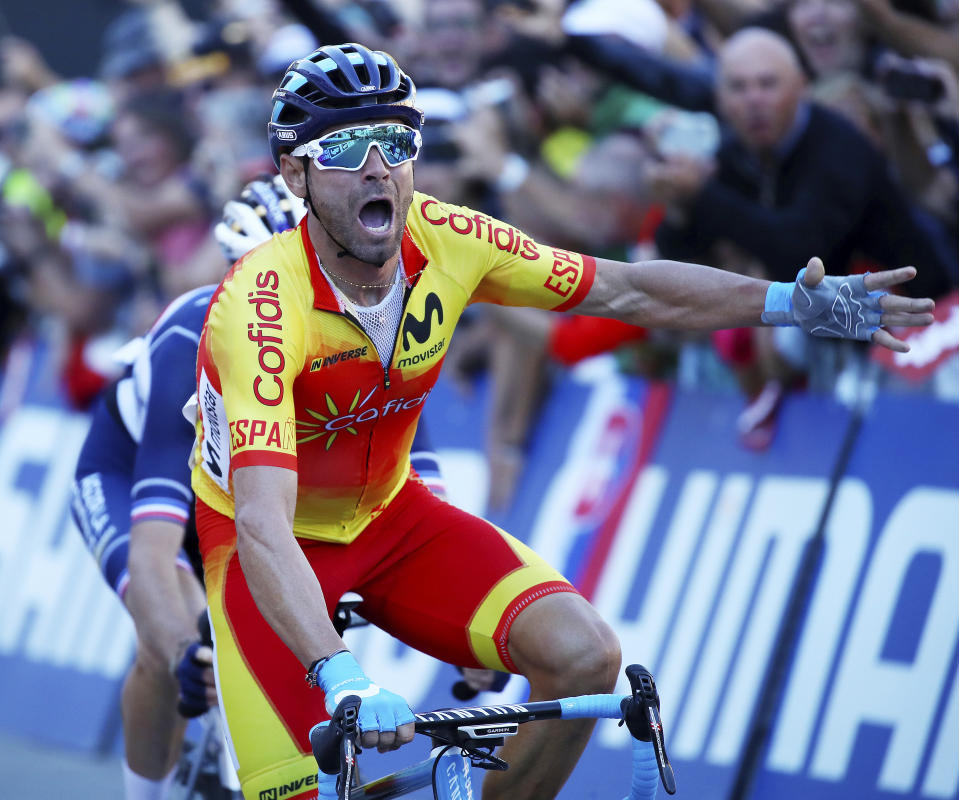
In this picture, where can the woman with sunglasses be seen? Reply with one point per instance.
(319, 350)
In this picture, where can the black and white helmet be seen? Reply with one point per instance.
(264, 207)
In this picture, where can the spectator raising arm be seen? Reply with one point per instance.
(781, 190)
(687, 86)
(911, 35)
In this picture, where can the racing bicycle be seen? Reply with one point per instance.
(204, 770)
(464, 738)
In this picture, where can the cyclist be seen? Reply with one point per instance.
(317, 354)
(133, 504)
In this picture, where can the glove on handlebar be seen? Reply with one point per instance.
(838, 307)
(380, 709)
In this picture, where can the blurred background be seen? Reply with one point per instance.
(771, 521)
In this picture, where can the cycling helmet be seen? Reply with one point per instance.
(264, 207)
(336, 85)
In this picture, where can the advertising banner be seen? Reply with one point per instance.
(688, 543)
(65, 639)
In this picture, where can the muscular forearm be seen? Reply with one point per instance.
(288, 596)
(282, 584)
(163, 600)
(675, 295)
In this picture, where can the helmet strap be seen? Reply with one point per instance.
(306, 181)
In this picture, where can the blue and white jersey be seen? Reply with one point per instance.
(160, 377)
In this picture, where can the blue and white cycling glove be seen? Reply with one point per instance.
(838, 307)
(340, 676)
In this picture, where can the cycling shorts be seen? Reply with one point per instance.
(443, 581)
(102, 504)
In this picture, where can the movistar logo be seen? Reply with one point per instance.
(421, 329)
(427, 354)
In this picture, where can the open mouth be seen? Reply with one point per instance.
(377, 216)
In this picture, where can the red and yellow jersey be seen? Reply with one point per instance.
(286, 377)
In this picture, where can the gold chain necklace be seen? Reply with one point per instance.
(338, 277)
(332, 274)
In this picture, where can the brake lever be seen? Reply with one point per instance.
(334, 744)
(641, 715)
(348, 748)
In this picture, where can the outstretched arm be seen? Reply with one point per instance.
(681, 296)
(910, 34)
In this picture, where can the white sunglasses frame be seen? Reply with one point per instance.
(314, 149)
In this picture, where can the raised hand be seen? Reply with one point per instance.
(847, 306)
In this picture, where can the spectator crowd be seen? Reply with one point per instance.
(745, 134)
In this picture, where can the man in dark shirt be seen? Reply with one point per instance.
(791, 180)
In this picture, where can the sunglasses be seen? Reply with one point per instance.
(348, 148)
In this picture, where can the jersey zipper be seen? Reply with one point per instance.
(386, 370)
(407, 291)
(386, 379)
(396, 336)
(361, 329)
(386, 385)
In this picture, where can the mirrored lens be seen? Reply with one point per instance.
(348, 148)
